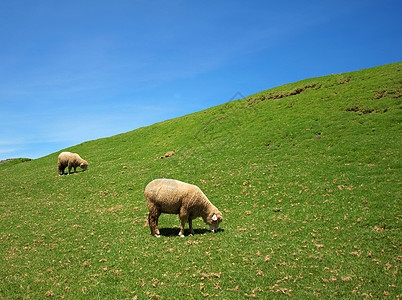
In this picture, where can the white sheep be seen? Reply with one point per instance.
(70, 160)
(175, 197)
(169, 154)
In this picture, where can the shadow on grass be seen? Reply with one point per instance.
(175, 231)
(76, 172)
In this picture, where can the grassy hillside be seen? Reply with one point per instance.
(307, 176)
(12, 161)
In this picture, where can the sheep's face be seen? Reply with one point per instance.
(83, 166)
(214, 220)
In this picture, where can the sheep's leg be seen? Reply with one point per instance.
(153, 223)
(61, 170)
(190, 225)
(157, 233)
(69, 166)
(183, 219)
(181, 232)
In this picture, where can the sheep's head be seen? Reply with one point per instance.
(214, 220)
(84, 165)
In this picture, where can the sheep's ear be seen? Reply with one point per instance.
(214, 218)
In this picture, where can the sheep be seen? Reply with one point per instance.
(70, 160)
(169, 154)
(175, 197)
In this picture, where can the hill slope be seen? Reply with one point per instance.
(306, 174)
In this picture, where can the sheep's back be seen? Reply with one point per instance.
(168, 194)
(66, 157)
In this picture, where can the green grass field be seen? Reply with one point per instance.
(307, 176)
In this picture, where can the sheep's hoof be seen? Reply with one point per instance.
(181, 235)
(157, 235)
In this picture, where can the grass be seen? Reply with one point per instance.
(11, 162)
(307, 176)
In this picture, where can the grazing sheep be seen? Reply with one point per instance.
(175, 197)
(169, 154)
(70, 160)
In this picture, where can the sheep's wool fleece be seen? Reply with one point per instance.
(169, 194)
(66, 157)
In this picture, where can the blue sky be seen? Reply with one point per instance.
(74, 71)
